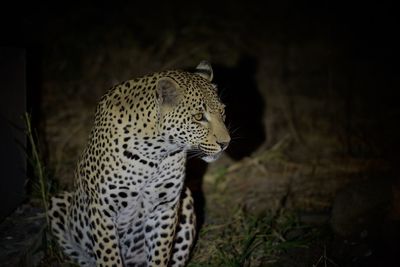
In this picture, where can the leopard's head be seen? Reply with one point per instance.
(191, 114)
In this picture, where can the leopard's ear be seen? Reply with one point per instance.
(169, 93)
(204, 70)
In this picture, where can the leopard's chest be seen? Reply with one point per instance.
(141, 191)
(159, 194)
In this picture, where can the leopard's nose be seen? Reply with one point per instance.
(223, 145)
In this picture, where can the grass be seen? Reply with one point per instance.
(41, 187)
(40, 180)
(245, 240)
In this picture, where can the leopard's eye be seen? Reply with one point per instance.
(199, 117)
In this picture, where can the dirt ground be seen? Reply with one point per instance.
(310, 178)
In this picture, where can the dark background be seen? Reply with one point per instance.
(361, 37)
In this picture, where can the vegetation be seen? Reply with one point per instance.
(244, 240)
(39, 182)
(41, 187)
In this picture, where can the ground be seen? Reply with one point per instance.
(310, 103)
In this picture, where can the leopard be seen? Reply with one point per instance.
(129, 205)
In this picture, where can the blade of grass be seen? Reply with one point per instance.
(37, 165)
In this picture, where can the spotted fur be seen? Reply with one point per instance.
(129, 206)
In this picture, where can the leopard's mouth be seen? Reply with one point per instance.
(209, 155)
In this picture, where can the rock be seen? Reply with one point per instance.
(359, 209)
(21, 234)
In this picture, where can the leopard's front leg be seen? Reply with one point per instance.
(185, 231)
(104, 237)
(162, 220)
(159, 233)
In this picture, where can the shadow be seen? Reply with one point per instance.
(244, 106)
(238, 90)
(195, 170)
(18, 69)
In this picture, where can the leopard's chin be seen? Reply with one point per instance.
(211, 158)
